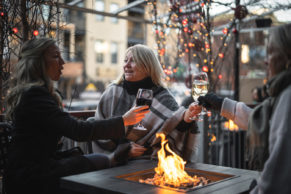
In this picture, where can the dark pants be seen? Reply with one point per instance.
(44, 178)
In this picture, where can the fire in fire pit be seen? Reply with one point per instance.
(171, 173)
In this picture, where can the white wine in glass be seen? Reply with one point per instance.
(200, 86)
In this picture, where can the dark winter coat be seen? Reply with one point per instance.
(39, 124)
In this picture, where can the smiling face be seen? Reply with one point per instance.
(131, 71)
(54, 62)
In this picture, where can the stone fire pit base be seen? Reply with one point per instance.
(112, 180)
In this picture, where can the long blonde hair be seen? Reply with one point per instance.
(145, 58)
(29, 71)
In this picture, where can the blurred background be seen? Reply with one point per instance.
(226, 39)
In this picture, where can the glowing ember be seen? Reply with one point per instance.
(170, 170)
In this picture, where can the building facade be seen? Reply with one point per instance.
(105, 41)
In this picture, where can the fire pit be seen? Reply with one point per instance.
(125, 179)
(171, 173)
(168, 173)
(211, 177)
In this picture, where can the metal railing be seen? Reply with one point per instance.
(223, 142)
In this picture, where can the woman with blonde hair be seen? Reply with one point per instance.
(141, 69)
(35, 109)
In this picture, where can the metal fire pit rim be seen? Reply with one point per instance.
(177, 189)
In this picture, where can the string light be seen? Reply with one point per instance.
(205, 68)
(15, 30)
(193, 36)
(35, 33)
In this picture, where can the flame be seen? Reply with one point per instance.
(231, 126)
(170, 169)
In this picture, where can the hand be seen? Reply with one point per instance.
(121, 153)
(192, 111)
(135, 115)
(211, 101)
(136, 150)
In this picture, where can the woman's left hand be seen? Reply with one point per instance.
(192, 111)
(136, 150)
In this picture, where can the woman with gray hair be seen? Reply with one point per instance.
(268, 125)
(141, 69)
(35, 109)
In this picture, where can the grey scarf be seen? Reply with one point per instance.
(259, 122)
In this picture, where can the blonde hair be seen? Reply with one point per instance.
(280, 41)
(145, 59)
(29, 71)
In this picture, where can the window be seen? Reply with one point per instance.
(114, 7)
(99, 6)
(99, 49)
(114, 52)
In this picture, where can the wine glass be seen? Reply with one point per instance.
(143, 97)
(199, 88)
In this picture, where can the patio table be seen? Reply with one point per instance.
(106, 181)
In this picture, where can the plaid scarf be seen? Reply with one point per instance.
(164, 116)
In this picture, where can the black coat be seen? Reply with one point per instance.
(39, 123)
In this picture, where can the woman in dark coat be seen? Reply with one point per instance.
(35, 109)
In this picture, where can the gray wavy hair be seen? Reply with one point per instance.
(280, 41)
(145, 58)
(29, 71)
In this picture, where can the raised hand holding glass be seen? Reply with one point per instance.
(199, 88)
(143, 97)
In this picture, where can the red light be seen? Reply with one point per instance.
(35, 32)
(185, 22)
(162, 52)
(206, 45)
(219, 76)
(186, 29)
(205, 68)
(15, 30)
(221, 55)
(224, 31)
(2, 14)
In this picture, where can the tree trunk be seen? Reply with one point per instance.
(25, 25)
(1, 56)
